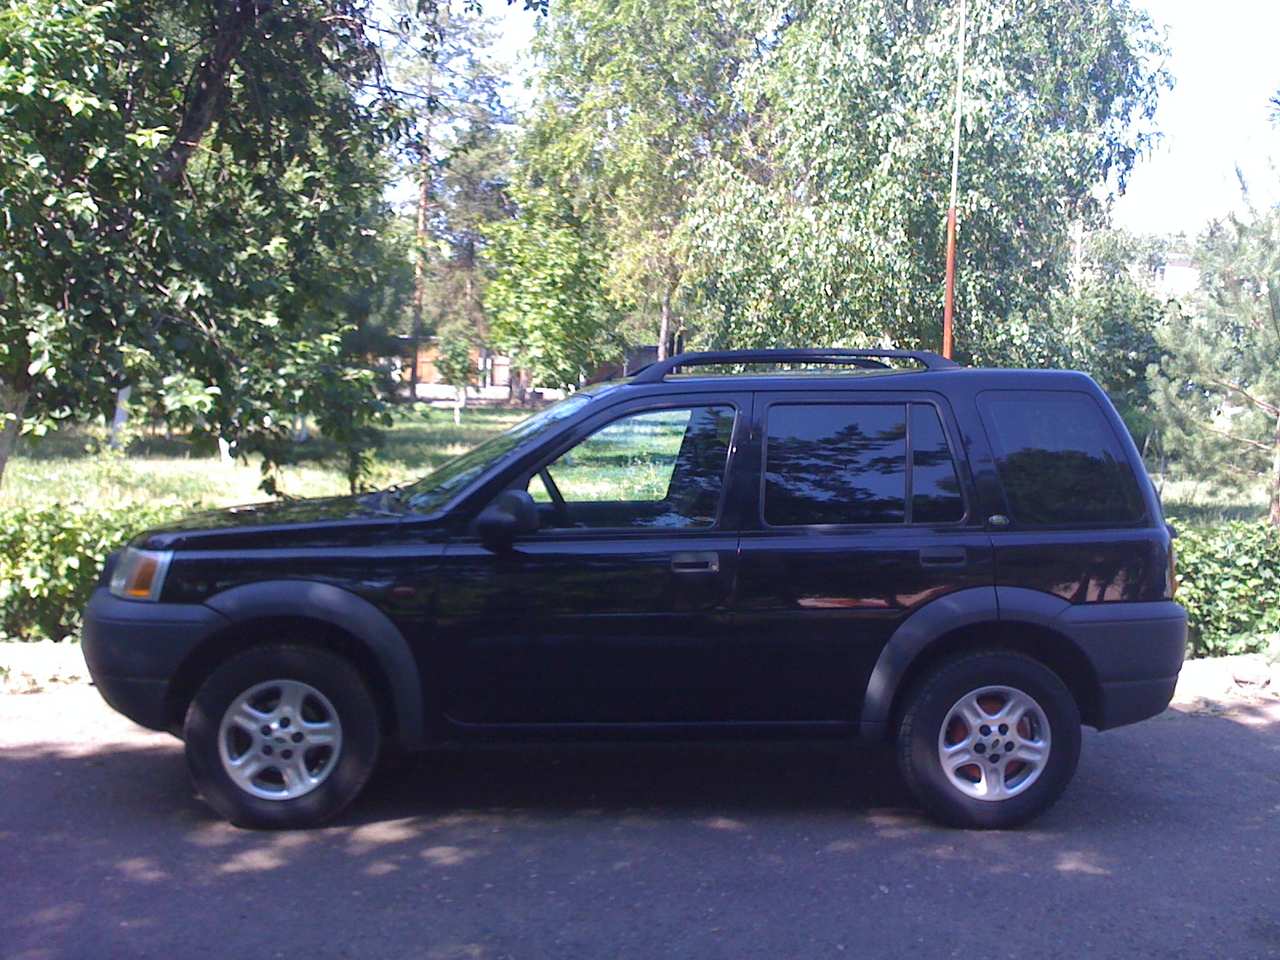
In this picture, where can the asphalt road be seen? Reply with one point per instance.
(1166, 845)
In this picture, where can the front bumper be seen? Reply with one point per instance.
(133, 649)
(1136, 651)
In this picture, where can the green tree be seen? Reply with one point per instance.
(548, 304)
(827, 224)
(74, 155)
(192, 187)
(633, 99)
(458, 156)
(1106, 321)
(1217, 388)
(454, 362)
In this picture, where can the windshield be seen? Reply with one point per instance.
(442, 484)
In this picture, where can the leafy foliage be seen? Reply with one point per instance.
(827, 225)
(1229, 581)
(203, 183)
(457, 154)
(1107, 319)
(551, 311)
(634, 99)
(454, 362)
(50, 557)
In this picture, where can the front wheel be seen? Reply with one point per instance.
(282, 736)
(989, 740)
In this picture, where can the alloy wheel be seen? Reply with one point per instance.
(280, 740)
(994, 743)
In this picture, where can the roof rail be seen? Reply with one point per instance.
(657, 372)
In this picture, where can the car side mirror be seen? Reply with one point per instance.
(511, 514)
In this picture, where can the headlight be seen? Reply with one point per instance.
(139, 574)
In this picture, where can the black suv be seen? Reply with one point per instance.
(831, 543)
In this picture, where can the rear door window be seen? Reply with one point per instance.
(835, 464)
(848, 463)
(1059, 460)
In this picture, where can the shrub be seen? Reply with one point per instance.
(50, 556)
(1229, 581)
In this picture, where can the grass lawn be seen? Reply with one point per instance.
(64, 467)
(1202, 504)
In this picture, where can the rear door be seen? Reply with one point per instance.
(1075, 524)
(614, 610)
(860, 517)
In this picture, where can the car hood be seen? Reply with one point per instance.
(307, 522)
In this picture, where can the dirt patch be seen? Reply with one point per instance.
(1218, 685)
(37, 667)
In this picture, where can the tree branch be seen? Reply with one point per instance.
(205, 92)
(1238, 439)
(1232, 388)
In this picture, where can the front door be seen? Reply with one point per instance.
(613, 611)
(860, 519)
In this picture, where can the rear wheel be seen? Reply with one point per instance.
(282, 736)
(989, 740)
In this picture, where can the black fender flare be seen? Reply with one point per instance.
(913, 636)
(349, 612)
(1031, 606)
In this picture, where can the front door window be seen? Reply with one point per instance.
(658, 469)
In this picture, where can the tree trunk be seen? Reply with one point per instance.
(1274, 513)
(121, 416)
(13, 404)
(420, 271)
(664, 326)
(520, 386)
(420, 263)
(207, 88)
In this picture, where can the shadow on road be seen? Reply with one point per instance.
(679, 779)
(508, 851)
(662, 779)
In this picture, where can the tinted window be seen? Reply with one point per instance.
(835, 463)
(935, 488)
(661, 468)
(1059, 459)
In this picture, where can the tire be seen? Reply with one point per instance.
(304, 717)
(1035, 757)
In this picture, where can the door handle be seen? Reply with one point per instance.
(695, 563)
(951, 557)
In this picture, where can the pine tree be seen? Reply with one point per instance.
(1217, 389)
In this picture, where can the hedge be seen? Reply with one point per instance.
(1229, 581)
(1228, 574)
(50, 557)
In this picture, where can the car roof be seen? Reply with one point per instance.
(966, 379)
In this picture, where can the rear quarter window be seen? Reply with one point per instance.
(1059, 460)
